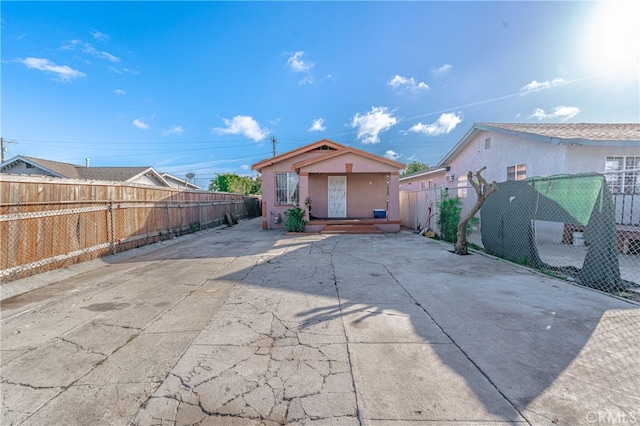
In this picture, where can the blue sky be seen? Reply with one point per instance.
(201, 87)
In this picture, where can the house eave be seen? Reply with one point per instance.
(423, 173)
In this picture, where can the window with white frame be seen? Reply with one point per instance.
(623, 174)
(518, 172)
(287, 188)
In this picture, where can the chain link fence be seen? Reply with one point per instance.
(37, 236)
(572, 227)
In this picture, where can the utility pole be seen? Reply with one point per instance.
(2, 148)
(274, 141)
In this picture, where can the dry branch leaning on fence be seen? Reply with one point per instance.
(483, 190)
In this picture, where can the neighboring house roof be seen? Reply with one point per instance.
(594, 134)
(73, 171)
(333, 149)
(179, 183)
(425, 172)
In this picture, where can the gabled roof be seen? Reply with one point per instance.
(180, 182)
(344, 151)
(593, 134)
(74, 171)
(54, 167)
(321, 144)
(333, 149)
(574, 131)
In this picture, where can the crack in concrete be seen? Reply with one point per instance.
(79, 346)
(126, 327)
(27, 385)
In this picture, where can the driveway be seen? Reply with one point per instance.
(239, 326)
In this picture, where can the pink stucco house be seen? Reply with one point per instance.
(346, 186)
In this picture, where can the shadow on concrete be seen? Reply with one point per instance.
(529, 347)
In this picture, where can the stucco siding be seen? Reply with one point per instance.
(366, 192)
(541, 159)
(582, 159)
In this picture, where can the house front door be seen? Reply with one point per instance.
(337, 203)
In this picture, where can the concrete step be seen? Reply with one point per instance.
(350, 229)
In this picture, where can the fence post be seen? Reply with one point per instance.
(112, 233)
(168, 219)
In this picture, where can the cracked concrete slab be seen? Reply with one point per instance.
(100, 338)
(118, 403)
(240, 326)
(144, 359)
(58, 363)
(19, 402)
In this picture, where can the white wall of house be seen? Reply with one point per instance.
(582, 158)
(422, 182)
(541, 159)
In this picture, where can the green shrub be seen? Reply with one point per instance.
(449, 209)
(294, 221)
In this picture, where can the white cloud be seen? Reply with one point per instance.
(119, 92)
(62, 72)
(400, 82)
(307, 79)
(99, 35)
(392, 155)
(443, 125)
(562, 112)
(140, 124)
(371, 124)
(243, 125)
(441, 70)
(123, 70)
(317, 125)
(88, 48)
(244, 167)
(297, 64)
(173, 130)
(535, 86)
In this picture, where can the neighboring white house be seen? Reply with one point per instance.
(514, 151)
(433, 177)
(23, 165)
(520, 150)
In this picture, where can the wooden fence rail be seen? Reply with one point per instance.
(48, 223)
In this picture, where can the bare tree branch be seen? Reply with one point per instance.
(483, 190)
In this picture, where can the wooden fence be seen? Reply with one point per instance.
(49, 223)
